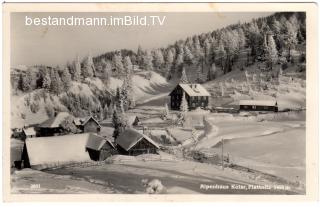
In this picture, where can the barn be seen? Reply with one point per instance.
(258, 105)
(46, 152)
(52, 126)
(88, 124)
(99, 148)
(133, 142)
(196, 96)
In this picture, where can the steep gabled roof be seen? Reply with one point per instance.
(130, 137)
(54, 122)
(132, 119)
(96, 142)
(258, 102)
(194, 89)
(82, 121)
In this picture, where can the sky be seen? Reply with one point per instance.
(55, 45)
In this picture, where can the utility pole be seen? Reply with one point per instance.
(222, 164)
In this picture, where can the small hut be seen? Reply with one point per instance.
(99, 148)
(133, 142)
(88, 124)
(52, 126)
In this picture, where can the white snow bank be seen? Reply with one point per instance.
(154, 186)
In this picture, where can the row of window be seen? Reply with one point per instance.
(255, 107)
(192, 98)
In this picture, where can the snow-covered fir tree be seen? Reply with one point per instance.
(158, 59)
(184, 108)
(88, 70)
(184, 78)
(106, 74)
(117, 64)
(127, 64)
(272, 52)
(148, 65)
(46, 81)
(76, 75)
(165, 112)
(66, 79)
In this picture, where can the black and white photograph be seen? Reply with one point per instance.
(158, 102)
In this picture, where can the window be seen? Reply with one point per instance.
(254, 107)
(246, 107)
(265, 107)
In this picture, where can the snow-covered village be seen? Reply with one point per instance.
(217, 112)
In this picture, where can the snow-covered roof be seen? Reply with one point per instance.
(55, 122)
(194, 89)
(130, 137)
(82, 121)
(131, 119)
(29, 131)
(258, 102)
(58, 149)
(96, 142)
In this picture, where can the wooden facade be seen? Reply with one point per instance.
(258, 105)
(99, 155)
(142, 147)
(258, 108)
(49, 132)
(88, 125)
(133, 142)
(194, 101)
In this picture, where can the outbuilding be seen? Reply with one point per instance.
(46, 152)
(258, 105)
(133, 142)
(88, 124)
(99, 148)
(52, 126)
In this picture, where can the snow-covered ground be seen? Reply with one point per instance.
(275, 147)
(124, 175)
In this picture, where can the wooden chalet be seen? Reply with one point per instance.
(99, 148)
(133, 142)
(88, 124)
(258, 105)
(52, 126)
(196, 96)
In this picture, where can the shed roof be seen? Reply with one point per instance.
(258, 102)
(29, 131)
(194, 89)
(130, 137)
(54, 122)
